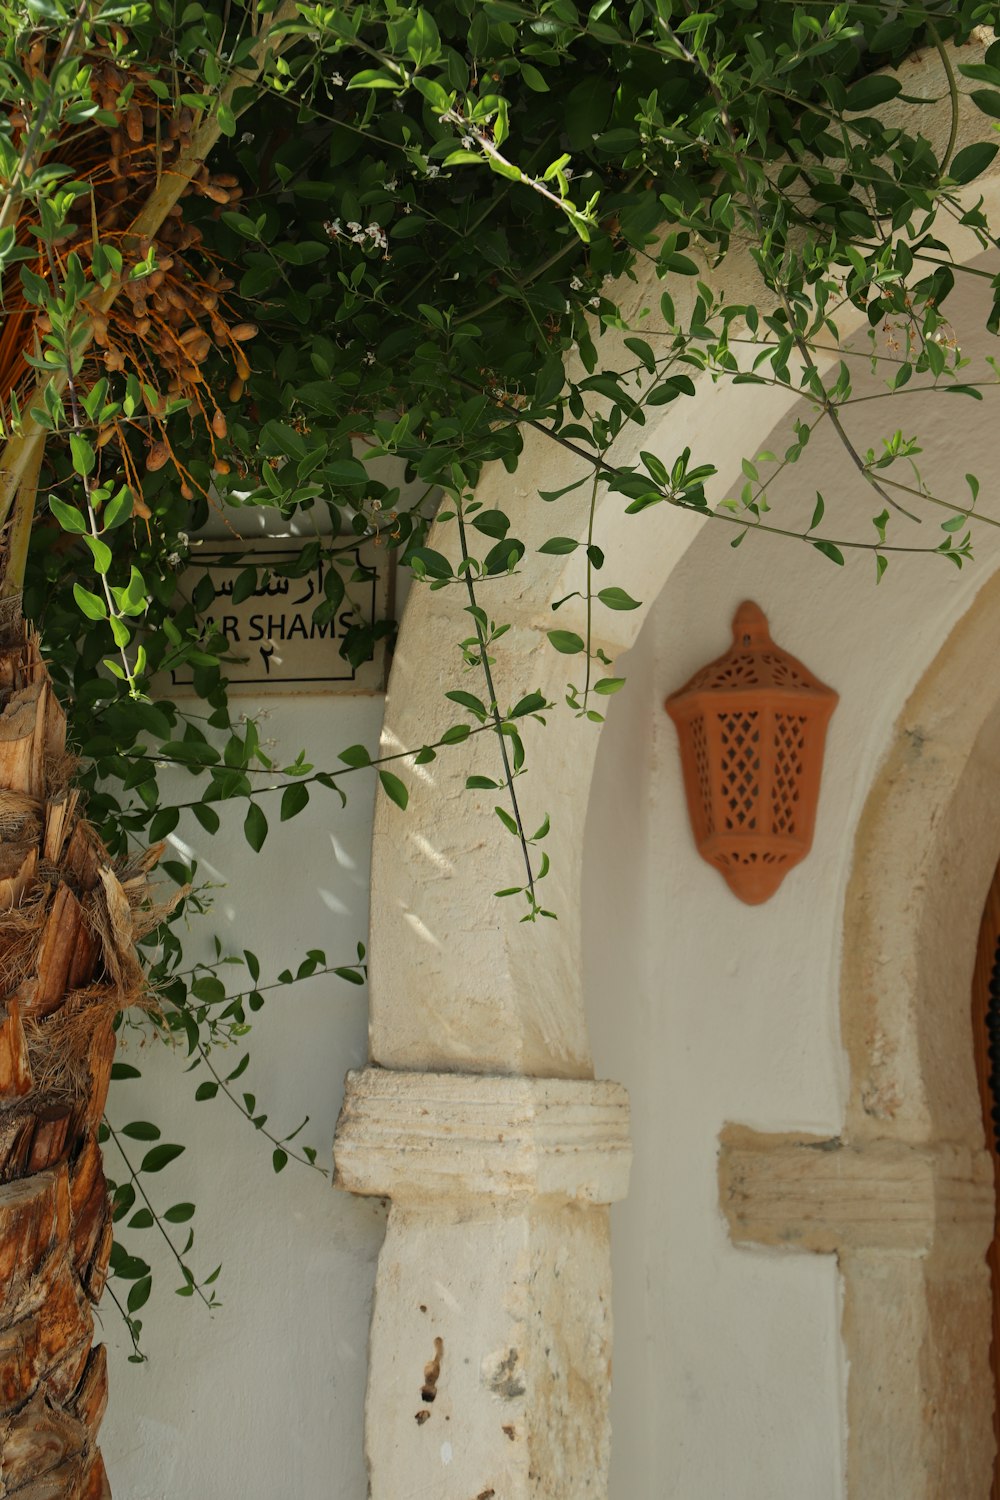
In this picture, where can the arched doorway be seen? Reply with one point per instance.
(986, 1044)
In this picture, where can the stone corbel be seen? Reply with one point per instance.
(490, 1346)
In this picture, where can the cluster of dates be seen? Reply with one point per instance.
(171, 315)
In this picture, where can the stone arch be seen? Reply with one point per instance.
(477, 1028)
(512, 1005)
(926, 850)
(904, 1195)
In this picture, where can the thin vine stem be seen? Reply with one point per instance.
(612, 472)
(129, 1322)
(25, 163)
(476, 613)
(591, 512)
(136, 1179)
(805, 354)
(78, 428)
(253, 989)
(238, 1104)
(949, 73)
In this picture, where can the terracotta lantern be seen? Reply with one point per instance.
(752, 727)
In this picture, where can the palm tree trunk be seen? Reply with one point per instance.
(68, 921)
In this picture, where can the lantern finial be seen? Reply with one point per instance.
(752, 727)
(750, 626)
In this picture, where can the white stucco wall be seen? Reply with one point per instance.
(264, 1397)
(729, 1374)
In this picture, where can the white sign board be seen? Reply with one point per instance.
(276, 646)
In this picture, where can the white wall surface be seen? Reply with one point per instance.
(729, 1373)
(264, 1397)
(729, 1376)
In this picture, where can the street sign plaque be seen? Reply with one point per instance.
(276, 645)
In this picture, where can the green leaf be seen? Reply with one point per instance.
(971, 161)
(124, 1070)
(556, 546)
(160, 1157)
(351, 975)
(245, 585)
(645, 353)
(608, 685)
(492, 523)
(239, 1069)
(506, 819)
(988, 100)
(226, 119)
(376, 78)
(550, 495)
(141, 1130)
(255, 827)
(163, 824)
(532, 703)
(209, 987)
(89, 604)
(138, 1294)
(394, 789)
(123, 1199)
(868, 92)
(84, 457)
(141, 1219)
(534, 79)
(68, 516)
(618, 599)
(293, 799)
(101, 553)
(830, 550)
(425, 561)
(504, 168)
(279, 1159)
(206, 816)
(818, 511)
(468, 700)
(566, 641)
(206, 1090)
(356, 755)
(657, 469)
(180, 1213)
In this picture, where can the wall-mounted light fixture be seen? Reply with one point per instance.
(752, 727)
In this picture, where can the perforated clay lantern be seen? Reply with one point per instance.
(752, 727)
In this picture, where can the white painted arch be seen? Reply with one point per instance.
(492, 999)
(459, 985)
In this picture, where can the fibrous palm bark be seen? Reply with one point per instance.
(68, 919)
(68, 923)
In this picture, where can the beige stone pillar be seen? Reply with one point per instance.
(491, 1339)
(909, 1225)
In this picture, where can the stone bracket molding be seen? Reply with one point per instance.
(826, 1196)
(428, 1135)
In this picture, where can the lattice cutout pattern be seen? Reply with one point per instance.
(699, 742)
(742, 669)
(785, 673)
(739, 770)
(789, 748)
(731, 858)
